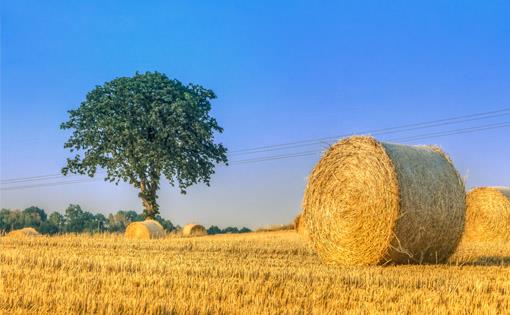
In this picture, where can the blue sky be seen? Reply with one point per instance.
(283, 72)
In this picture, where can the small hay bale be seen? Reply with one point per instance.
(275, 227)
(368, 203)
(487, 215)
(24, 232)
(192, 229)
(144, 230)
(299, 223)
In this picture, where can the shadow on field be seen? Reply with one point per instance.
(489, 261)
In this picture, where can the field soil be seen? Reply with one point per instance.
(254, 273)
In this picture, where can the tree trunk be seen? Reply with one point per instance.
(148, 197)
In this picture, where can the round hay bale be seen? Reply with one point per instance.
(192, 229)
(368, 202)
(487, 215)
(24, 232)
(144, 230)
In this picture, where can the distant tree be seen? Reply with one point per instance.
(12, 219)
(100, 223)
(119, 221)
(74, 219)
(213, 229)
(244, 230)
(33, 217)
(231, 230)
(4, 219)
(141, 128)
(167, 224)
(57, 220)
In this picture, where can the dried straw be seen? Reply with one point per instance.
(487, 215)
(144, 230)
(24, 232)
(192, 229)
(369, 202)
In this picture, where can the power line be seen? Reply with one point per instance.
(52, 184)
(300, 154)
(391, 130)
(313, 142)
(407, 139)
(402, 128)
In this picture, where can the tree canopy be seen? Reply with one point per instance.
(141, 128)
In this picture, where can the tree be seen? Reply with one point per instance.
(119, 221)
(141, 128)
(166, 224)
(33, 217)
(54, 224)
(56, 219)
(4, 220)
(213, 229)
(74, 219)
(230, 230)
(244, 230)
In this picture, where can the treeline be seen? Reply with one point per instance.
(77, 220)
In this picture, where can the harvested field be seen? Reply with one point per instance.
(252, 273)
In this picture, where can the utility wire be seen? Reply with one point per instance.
(313, 142)
(402, 128)
(391, 130)
(297, 154)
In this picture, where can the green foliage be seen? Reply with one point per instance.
(77, 220)
(33, 216)
(119, 221)
(141, 128)
(166, 224)
(213, 229)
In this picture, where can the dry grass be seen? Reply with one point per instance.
(253, 273)
(368, 202)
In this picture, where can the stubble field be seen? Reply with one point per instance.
(254, 273)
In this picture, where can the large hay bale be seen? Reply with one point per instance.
(144, 230)
(192, 229)
(24, 232)
(368, 202)
(487, 215)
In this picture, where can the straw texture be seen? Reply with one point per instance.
(144, 230)
(25, 232)
(368, 203)
(488, 215)
(192, 229)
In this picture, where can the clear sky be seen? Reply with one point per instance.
(283, 71)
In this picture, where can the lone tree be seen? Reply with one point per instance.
(141, 128)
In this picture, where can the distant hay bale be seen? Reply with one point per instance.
(144, 230)
(487, 215)
(298, 223)
(24, 232)
(192, 229)
(275, 227)
(368, 202)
